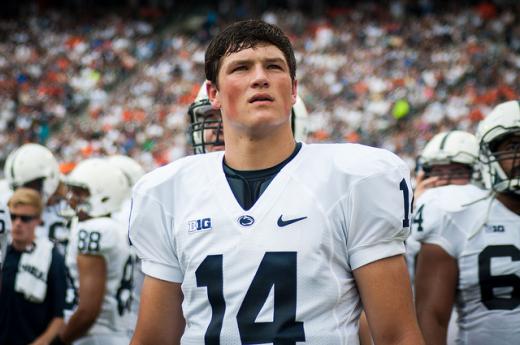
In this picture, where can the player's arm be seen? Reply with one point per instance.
(92, 280)
(386, 293)
(435, 288)
(160, 318)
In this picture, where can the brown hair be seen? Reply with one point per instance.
(244, 35)
(27, 196)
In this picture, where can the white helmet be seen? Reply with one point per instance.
(132, 170)
(200, 122)
(31, 162)
(105, 182)
(299, 120)
(449, 147)
(504, 120)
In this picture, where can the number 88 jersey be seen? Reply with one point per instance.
(484, 238)
(107, 238)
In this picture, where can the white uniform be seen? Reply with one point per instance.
(5, 228)
(484, 237)
(107, 238)
(431, 206)
(54, 227)
(281, 271)
(123, 217)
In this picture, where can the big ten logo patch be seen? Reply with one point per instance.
(203, 224)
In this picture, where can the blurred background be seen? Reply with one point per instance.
(88, 78)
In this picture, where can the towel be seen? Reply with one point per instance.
(33, 269)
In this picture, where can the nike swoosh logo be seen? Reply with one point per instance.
(282, 223)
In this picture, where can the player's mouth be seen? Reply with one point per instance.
(261, 98)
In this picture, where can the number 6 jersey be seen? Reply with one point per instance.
(280, 272)
(107, 238)
(484, 238)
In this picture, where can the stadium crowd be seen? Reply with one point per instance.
(98, 89)
(371, 74)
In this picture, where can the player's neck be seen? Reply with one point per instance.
(246, 153)
(511, 202)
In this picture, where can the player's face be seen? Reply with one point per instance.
(78, 200)
(255, 90)
(453, 173)
(507, 153)
(24, 220)
(214, 134)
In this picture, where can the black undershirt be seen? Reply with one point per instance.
(248, 185)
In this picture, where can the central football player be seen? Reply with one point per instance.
(271, 241)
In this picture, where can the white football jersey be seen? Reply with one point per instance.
(5, 228)
(107, 238)
(123, 217)
(284, 268)
(429, 210)
(484, 237)
(54, 227)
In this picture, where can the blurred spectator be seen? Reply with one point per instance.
(383, 74)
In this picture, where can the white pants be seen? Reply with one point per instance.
(104, 339)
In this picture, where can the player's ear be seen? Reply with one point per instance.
(213, 95)
(294, 92)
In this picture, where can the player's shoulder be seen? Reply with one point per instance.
(357, 159)
(451, 197)
(100, 224)
(188, 166)
(470, 216)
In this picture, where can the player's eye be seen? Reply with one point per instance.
(274, 66)
(239, 68)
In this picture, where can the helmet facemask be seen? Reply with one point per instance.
(501, 159)
(206, 130)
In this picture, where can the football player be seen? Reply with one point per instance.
(448, 179)
(205, 130)
(271, 241)
(470, 258)
(98, 258)
(133, 172)
(34, 166)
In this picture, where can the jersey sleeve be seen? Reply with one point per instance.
(151, 234)
(379, 219)
(96, 239)
(433, 224)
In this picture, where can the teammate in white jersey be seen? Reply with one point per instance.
(133, 172)
(34, 166)
(5, 228)
(470, 259)
(98, 258)
(271, 242)
(446, 172)
(449, 159)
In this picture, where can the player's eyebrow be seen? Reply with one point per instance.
(248, 62)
